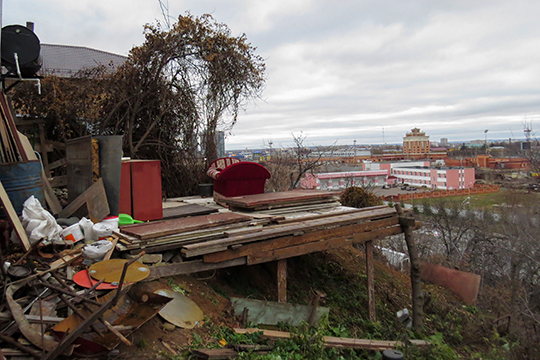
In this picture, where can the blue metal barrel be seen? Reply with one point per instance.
(22, 180)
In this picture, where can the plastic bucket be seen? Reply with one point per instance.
(73, 233)
(102, 230)
(111, 220)
(22, 180)
(206, 190)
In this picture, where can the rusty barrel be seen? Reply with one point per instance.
(22, 180)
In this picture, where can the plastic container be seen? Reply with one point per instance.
(102, 230)
(73, 233)
(86, 226)
(112, 220)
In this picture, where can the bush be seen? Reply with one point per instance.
(359, 198)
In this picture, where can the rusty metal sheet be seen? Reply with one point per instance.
(83, 279)
(181, 311)
(176, 226)
(111, 271)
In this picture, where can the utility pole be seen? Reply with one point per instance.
(485, 139)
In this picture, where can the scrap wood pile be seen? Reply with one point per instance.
(248, 235)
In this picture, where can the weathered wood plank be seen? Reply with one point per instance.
(370, 281)
(332, 242)
(282, 280)
(288, 229)
(96, 200)
(10, 210)
(271, 313)
(339, 342)
(215, 354)
(291, 197)
(175, 226)
(186, 210)
(287, 241)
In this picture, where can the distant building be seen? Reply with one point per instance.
(436, 178)
(343, 180)
(443, 142)
(416, 144)
(67, 60)
(220, 144)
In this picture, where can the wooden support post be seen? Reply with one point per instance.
(282, 280)
(408, 224)
(370, 283)
(42, 141)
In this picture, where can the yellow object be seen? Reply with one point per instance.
(223, 342)
(111, 271)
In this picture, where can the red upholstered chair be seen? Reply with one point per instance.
(233, 177)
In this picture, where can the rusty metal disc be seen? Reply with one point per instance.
(111, 271)
(180, 311)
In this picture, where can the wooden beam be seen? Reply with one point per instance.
(407, 224)
(331, 341)
(282, 280)
(8, 207)
(329, 243)
(370, 284)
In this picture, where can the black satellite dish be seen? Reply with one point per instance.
(20, 45)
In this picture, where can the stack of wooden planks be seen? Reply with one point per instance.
(281, 200)
(281, 241)
(255, 238)
(172, 234)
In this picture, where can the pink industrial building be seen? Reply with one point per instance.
(444, 178)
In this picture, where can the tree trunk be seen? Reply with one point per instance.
(407, 224)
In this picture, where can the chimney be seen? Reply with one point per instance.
(30, 25)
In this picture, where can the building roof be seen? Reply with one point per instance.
(67, 60)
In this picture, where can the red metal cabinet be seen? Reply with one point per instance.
(140, 191)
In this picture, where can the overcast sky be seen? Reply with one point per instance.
(344, 70)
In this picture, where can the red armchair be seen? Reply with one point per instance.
(233, 177)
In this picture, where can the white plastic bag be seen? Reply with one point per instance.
(38, 222)
(97, 250)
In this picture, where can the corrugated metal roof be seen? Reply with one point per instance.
(67, 60)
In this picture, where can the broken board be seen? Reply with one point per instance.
(272, 313)
(176, 226)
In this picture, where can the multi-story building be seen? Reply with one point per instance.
(416, 144)
(444, 178)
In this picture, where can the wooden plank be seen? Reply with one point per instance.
(370, 281)
(14, 219)
(50, 197)
(96, 200)
(272, 313)
(59, 181)
(215, 354)
(331, 243)
(175, 226)
(189, 267)
(331, 341)
(289, 229)
(287, 241)
(9, 115)
(186, 210)
(282, 280)
(56, 164)
(277, 197)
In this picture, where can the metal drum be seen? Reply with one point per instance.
(22, 180)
